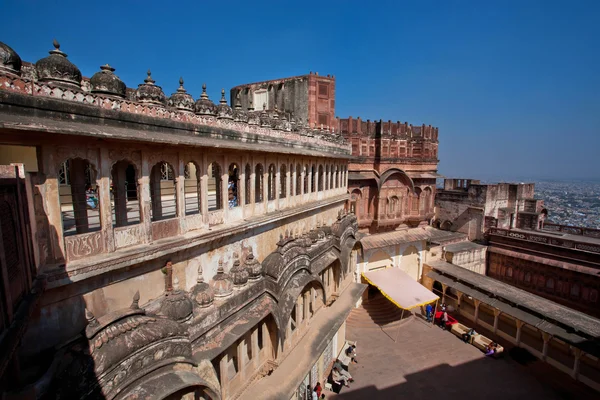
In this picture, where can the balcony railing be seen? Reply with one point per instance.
(573, 230)
(554, 241)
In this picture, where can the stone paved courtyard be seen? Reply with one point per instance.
(428, 363)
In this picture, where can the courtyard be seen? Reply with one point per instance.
(414, 360)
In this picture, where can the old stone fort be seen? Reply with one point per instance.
(157, 246)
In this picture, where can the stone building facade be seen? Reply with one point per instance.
(392, 173)
(470, 207)
(308, 99)
(560, 263)
(184, 248)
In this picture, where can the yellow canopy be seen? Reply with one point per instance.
(399, 288)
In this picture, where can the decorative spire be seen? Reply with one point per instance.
(238, 103)
(204, 95)
(223, 101)
(181, 89)
(200, 278)
(250, 104)
(149, 79)
(57, 49)
(220, 270)
(264, 106)
(91, 319)
(135, 305)
(169, 277)
(107, 67)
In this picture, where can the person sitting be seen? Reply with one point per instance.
(491, 349)
(351, 352)
(339, 378)
(343, 371)
(467, 336)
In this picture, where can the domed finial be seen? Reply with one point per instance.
(91, 319)
(204, 95)
(149, 79)
(56, 49)
(107, 67)
(220, 270)
(135, 305)
(181, 89)
(200, 278)
(176, 284)
(56, 44)
(223, 101)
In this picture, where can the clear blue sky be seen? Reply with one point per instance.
(514, 86)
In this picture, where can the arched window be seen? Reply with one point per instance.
(271, 183)
(258, 183)
(282, 181)
(124, 189)
(162, 192)
(509, 272)
(248, 177)
(215, 187)
(427, 199)
(337, 177)
(550, 284)
(306, 171)
(415, 201)
(313, 185)
(191, 188)
(78, 195)
(321, 178)
(233, 184)
(326, 179)
(575, 291)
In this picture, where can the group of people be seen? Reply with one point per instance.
(491, 349)
(339, 372)
(315, 394)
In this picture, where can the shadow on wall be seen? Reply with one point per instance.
(475, 380)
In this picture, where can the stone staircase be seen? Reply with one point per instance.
(376, 313)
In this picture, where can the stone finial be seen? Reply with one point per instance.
(176, 283)
(250, 104)
(220, 269)
(264, 106)
(169, 277)
(200, 278)
(135, 304)
(56, 44)
(181, 88)
(149, 79)
(204, 95)
(91, 319)
(223, 100)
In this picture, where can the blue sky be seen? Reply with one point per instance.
(514, 86)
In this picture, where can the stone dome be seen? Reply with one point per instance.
(221, 283)
(202, 293)
(253, 267)
(176, 305)
(106, 82)
(203, 105)
(239, 274)
(181, 99)
(148, 92)
(10, 62)
(57, 69)
(223, 110)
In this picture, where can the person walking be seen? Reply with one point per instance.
(428, 311)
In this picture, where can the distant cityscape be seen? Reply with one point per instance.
(571, 203)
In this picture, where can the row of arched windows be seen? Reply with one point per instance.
(80, 200)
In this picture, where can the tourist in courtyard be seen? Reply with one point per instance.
(351, 352)
(338, 377)
(318, 389)
(444, 322)
(428, 312)
(491, 349)
(467, 336)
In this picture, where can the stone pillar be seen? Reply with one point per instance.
(277, 185)
(225, 188)
(307, 305)
(476, 316)
(302, 175)
(204, 189)
(546, 337)
(459, 295)
(145, 201)
(496, 316)
(577, 353)
(240, 360)
(265, 186)
(120, 194)
(78, 198)
(300, 310)
(224, 376)
(104, 202)
(155, 193)
(49, 195)
(242, 186)
(519, 330)
(254, 343)
(180, 191)
(444, 287)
